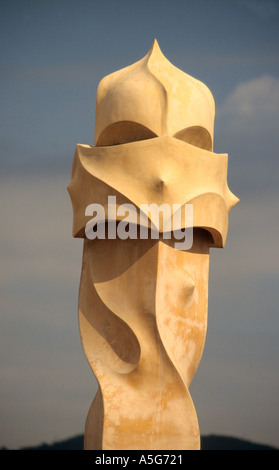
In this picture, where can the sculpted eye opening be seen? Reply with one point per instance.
(197, 136)
(123, 132)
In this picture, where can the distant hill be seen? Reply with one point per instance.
(207, 443)
(230, 443)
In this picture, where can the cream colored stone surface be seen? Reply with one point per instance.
(143, 303)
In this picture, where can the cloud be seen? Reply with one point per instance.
(247, 123)
(254, 101)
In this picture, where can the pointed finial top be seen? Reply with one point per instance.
(156, 51)
(157, 95)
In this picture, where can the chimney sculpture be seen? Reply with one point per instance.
(142, 301)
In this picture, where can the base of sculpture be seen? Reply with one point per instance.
(143, 338)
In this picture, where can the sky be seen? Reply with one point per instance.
(53, 55)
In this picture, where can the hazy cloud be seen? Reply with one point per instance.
(255, 101)
(247, 123)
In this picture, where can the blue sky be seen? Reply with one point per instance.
(53, 55)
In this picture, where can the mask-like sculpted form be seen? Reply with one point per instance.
(143, 303)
